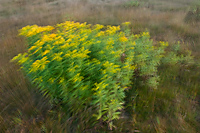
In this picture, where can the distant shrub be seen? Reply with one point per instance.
(132, 3)
(193, 15)
(80, 66)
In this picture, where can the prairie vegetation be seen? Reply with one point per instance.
(172, 107)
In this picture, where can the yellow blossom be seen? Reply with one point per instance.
(126, 23)
(110, 41)
(71, 70)
(65, 46)
(45, 52)
(133, 67)
(52, 35)
(37, 50)
(101, 33)
(112, 29)
(31, 48)
(35, 66)
(57, 56)
(123, 39)
(23, 60)
(61, 80)
(84, 87)
(112, 52)
(78, 78)
(133, 43)
(100, 86)
(39, 79)
(146, 34)
(136, 36)
(43, 63)
(67, 55)
(164, 43)
(39, 64)
(34, 29)
(17, 57)
(98, 27)
(51, 80)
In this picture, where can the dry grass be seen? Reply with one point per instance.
(23, 109)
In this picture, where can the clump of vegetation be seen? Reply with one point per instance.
(132, 3)
(193, 15)
(92, 67)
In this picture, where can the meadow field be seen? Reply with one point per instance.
(173, 107)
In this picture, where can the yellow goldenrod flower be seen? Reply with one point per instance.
(23, 60)
(112, 52)
(45, 52)
(31, 48)
(57, 56)
(110, 41)
(51, 80)
(146, 34)
(39, 43)
(78, 78)
(34, 29)
(39, 64)
(65, 46)
(132, 67)
(164, 43)
(100, 86)
(37, 50)
(109, 47)
(48, 38)
(71, 70)
(82, 39)
(43, 63)
(67, 55)
(61, 80)
(106, 64)
(16, 57)
(52, 35)
(104, 71)
(133, 43)
(69, 40)
(101, 33)
(136, 36)
(84, 87)
(71, 36)
(86, 51)
(123, 39)
(35, 66)
(127, 66)
(48, 28)
(98, 27)
(126, 23)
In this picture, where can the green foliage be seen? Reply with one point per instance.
(132, 3)
(80, 66)
(177, 56)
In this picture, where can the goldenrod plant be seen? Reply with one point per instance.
(78, 65)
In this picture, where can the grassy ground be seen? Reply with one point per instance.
(174, 107)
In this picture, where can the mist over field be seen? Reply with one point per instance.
(164, 90)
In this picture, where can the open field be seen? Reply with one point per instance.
(173, 107)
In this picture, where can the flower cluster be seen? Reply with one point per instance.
(80, 64)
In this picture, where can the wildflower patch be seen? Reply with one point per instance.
(81, 65)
